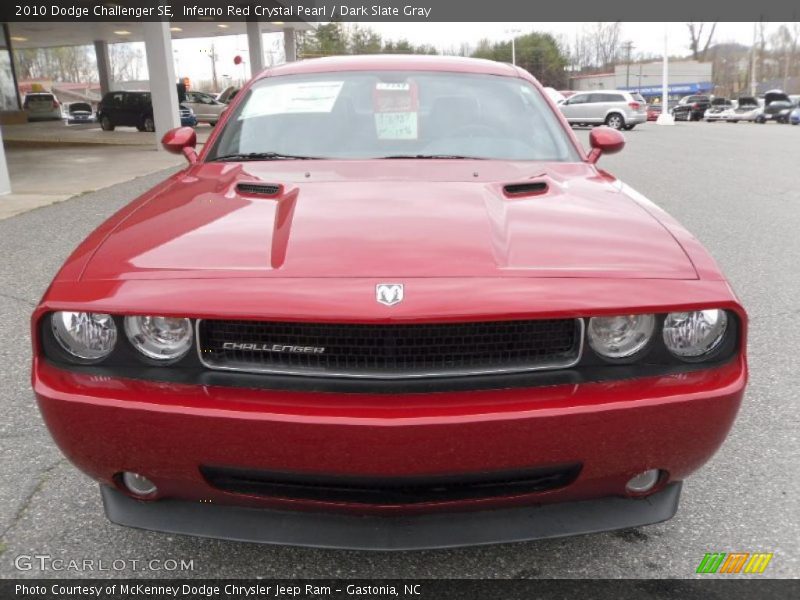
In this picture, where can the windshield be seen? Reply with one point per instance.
(397, 114)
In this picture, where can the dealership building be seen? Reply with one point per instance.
(685, 77)
(157, 38)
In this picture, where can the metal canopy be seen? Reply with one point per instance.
(53, 34)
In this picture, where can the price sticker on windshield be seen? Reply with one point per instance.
(396, 107)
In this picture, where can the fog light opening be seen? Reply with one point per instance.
(138, 485)
(644, 483)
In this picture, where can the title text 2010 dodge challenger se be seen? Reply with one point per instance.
(392, 304)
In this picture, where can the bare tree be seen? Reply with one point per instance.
(606, 41)
(594, 47)
(127, 61)
(698, 47)
(580, 52)
(67, 63)
(784, 43)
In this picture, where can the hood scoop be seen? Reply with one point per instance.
(528, 188)
(269, 190)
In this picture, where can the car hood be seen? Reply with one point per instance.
(390, 219)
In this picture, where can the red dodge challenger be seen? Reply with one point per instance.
(391, 304)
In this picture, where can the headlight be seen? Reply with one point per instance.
(622, 336)
(694, 334)
(160, 338)
(88, 336)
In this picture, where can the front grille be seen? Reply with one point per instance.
(389, 490)
(390, 351)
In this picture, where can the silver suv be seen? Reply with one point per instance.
(615, 108)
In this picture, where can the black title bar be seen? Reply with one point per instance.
(734, 588)
(77, 11)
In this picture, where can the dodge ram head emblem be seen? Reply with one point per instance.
(389, 293)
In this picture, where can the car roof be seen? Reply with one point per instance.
(393, 62)
(606, 92)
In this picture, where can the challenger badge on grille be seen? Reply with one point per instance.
(288, 349)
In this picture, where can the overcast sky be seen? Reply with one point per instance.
(647, 38)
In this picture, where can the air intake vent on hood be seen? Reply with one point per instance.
(525, 189)
(259, 189)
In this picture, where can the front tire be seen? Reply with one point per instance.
(615, 121)
(149, 125)
(106, 124)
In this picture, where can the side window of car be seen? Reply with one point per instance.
(615, 98)
(579, 99)
(117, 100)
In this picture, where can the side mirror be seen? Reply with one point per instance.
(605, 140)
(181, 140)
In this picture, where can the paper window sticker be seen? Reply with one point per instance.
(396, 125)
(289, 98)
(396, 111)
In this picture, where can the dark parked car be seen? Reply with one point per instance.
(79, 112)
(134, 109)
(777, 107)
(691, 108)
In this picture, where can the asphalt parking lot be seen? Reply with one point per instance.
(735, 187)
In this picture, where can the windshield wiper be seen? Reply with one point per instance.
(241, 157)
(433, 156)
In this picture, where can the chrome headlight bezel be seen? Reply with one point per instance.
(642, 336)
(724, 325)
(142, 333)
(77, 350)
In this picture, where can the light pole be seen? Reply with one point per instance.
(513, 33)
(665, 118)
(753, 64)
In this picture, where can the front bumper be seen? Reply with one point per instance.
(167, 431)
(391, 533)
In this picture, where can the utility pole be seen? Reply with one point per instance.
(212, 54)
(628, 46)
(214, 65)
